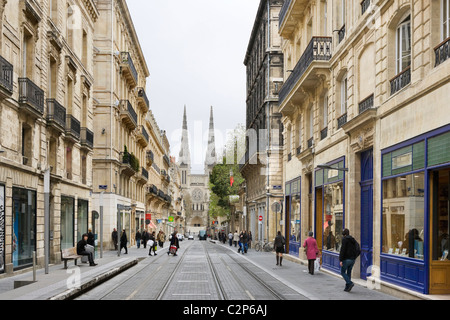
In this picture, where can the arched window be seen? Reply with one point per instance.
(403, 45)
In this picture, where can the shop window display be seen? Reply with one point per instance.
(333, 216)
(404, 215)
(295, 218)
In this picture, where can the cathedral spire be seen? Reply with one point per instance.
(211, 158)
(185, 155)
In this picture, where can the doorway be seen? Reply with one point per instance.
(440, 230)
(366, 213)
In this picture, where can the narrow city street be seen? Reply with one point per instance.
(205, 270)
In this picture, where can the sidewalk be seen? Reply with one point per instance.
(60, 284)
(325, 285)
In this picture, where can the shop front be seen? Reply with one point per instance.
(293, 216)
(2, 229)
(415, 213)
(330, 212)
(24, 227)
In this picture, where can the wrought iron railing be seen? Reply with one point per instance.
(442, 52)
(342, 120)
(56, 112)
(318, 49)
(6, 74)
(150, 156)
(144, 133)
(142, 94)
(341, 34)
(145, 173)
(401, 80)
(73, 126)
(324, 133)
(365, 4)
(126, 59)
(283, 12)
(87, 137)
(31, 94)
(310, 143)
(128, 107)
(298, 150)
(366, 104)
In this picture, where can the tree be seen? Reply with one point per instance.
(220, 183)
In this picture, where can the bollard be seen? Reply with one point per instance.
(34, 266)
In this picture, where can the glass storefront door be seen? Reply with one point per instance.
(67, 222)
(24, 227)
(440, 230)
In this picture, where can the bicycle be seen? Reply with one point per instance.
(264, 246)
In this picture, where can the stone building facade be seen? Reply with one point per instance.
(365, 114)
(47, 121)
(261, 166)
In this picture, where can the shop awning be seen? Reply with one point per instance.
(152, 225)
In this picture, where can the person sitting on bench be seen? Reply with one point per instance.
(81, 250)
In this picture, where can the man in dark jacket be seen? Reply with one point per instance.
(124, 241)
(347, 257)
(82, 251)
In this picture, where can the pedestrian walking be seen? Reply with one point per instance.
(279, 244)
(347, 256)
(114, 237)
(123, 241)
(312, 251)
(230, 238)
(81, 250)
(138, 238)
(174, 244)
(161, 238)
(235, 238)
(144, 238)
(152, 244)
(250, 239)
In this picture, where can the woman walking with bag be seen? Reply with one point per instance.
(279, 244)
(151, 243)
(312, 251)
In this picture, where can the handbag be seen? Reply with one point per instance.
(150, 243)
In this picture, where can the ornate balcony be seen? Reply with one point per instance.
(142, 136)
(87, 139)
(56, 115)
(442, 52)
(73, 129)
(128, 69)
(150, 157)
(142, 99)
(316, 55)
(290, 14)
(130, 164)
(142, 176)
(6, 78)
(128, 115)
(31, 98)
(401, 80)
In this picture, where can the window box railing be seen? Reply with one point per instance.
(442, 52)
(128, 114)
(289, 156)
(73, 127)
(56, 114)
(341, 34)
(401, 80)
(283, 12)
(366, 104)
(365, 4)
(143, 95)
(31, 95)
(150, 157)
(342, 120)
(145, 173)
(324, 133)
(126, 60)
(87, 138)
(298, 150)
(310, 143)
(319, 49)
(6, 75)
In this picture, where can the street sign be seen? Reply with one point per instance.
(170, 219)
(260, 218)
(103, 187)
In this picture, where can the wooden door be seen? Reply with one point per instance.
(439, 232)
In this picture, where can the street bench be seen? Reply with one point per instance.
(69, 254)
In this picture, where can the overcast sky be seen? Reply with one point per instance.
(195, 51)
